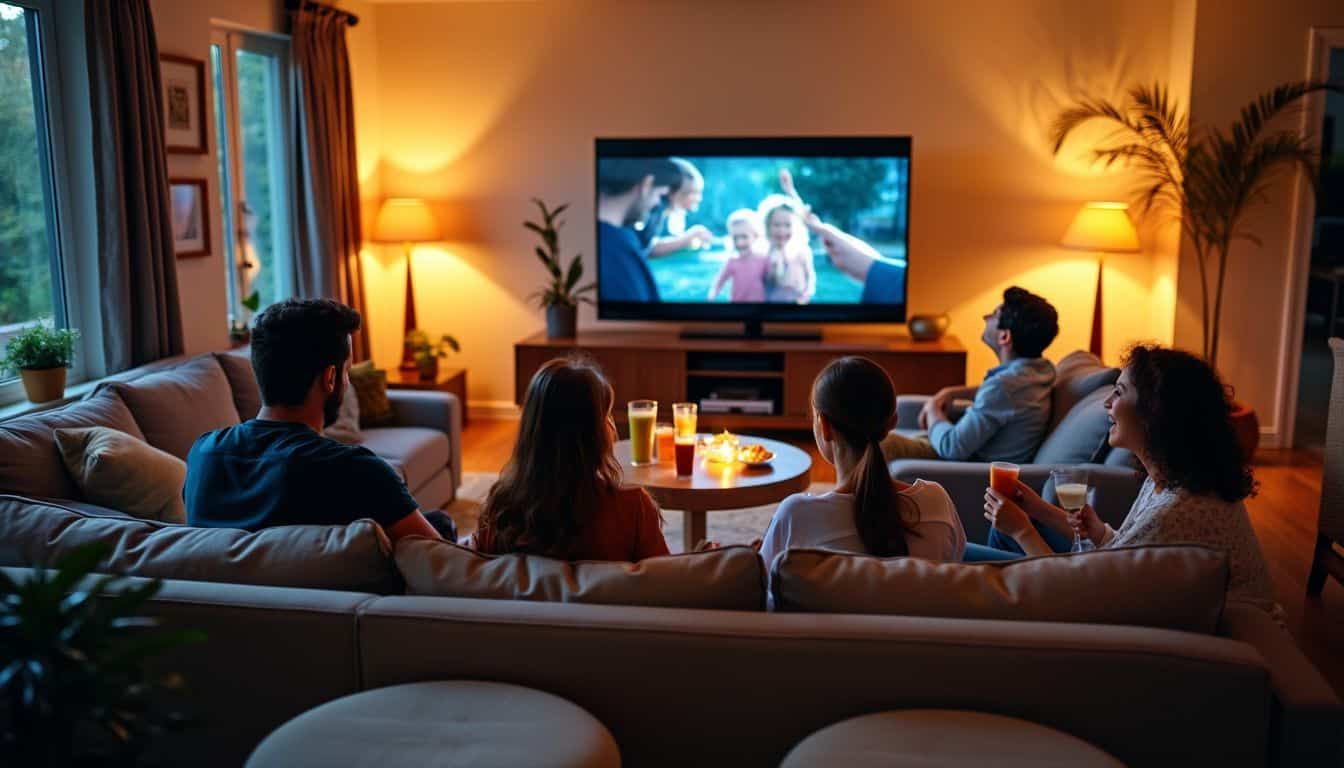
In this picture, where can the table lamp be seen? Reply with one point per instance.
(1103, 228)
(406, 220)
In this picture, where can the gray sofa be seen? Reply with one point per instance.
(1076, 436)
(171, 402)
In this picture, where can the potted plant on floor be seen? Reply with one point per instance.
(41, 355)
(72, 666)
(1208, 177)
(561, 297)
(427, 353)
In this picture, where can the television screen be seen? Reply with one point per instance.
(800, 229)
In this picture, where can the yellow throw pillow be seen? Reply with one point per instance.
(371, 390)
(120, 471)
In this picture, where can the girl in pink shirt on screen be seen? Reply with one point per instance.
(748, 267)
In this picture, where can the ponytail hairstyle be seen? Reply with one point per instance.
(858, 400)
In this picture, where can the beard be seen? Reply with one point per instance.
(331, 408)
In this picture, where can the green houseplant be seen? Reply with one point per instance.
(561, 297)
(41, 355)
(1208, 178)
(72, 676)
(427, 352)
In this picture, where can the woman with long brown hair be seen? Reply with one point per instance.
(853, 408)
(561, 495)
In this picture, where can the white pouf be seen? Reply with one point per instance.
(453, 724)
(943, 737)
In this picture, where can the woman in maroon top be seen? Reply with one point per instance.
(560, 495)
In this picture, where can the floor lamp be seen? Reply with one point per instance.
(1102, 228)
(406, 220)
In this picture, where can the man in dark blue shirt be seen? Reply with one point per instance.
(278, 469)
(627, 189)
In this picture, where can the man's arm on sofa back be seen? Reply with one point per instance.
(434, 410)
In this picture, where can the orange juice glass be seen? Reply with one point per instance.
(1003, 478)
(683, 415)
(666, 438)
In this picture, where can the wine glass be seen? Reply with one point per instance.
(1071, 490)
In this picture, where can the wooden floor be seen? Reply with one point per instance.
(1283, 513)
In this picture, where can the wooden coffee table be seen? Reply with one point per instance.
(719, 486)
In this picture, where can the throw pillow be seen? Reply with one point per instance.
(30, 463)
(176, 406)
(345, 429)
(370, 385)
(120, 471)
(1080, 435)
(1179, 587)
(731, 578)
(243, 381)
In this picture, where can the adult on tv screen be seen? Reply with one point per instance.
(753, 229)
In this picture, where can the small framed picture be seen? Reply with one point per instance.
(191, 217)
(183, 104)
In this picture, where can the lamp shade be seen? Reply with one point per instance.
(405, 220)
(1102, 227)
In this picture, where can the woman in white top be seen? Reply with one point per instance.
(853, 408)
(1172, 411)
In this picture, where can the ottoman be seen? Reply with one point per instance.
(942, 737)
(446, 723)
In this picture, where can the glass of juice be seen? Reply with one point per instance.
(683, 415)
(685, 449)
(641, 414)
(1003, 478)
(665, 433)
(1071, 490)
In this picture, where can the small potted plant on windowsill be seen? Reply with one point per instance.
(562, 296)
(41, 355)
(427, 353)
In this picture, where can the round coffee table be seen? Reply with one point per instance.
(719, 486)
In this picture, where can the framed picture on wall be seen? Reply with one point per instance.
(190, 207)
(184, 113)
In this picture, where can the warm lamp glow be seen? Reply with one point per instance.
(1102, 227)
(405, 220)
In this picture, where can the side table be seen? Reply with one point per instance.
(452, 380)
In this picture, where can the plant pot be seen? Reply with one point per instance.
(428, 368)
(1247, 427)
(43, 384)
(561, 321)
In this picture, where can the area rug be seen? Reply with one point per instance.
(730, 526)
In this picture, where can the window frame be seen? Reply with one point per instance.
(58, 200)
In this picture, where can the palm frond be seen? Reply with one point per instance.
(1084, 112)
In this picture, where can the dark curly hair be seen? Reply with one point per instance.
(1185, 411)
(1032, 320)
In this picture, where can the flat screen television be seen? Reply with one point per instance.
(753, 230)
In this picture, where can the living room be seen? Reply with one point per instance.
(372, 151)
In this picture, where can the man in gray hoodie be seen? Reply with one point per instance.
(1011, 407)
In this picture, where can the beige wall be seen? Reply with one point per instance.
(484, 105)
(183, 28)
(1243, 47)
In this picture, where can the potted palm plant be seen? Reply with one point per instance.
(1209, 178)
(561, 297)
(41, 355)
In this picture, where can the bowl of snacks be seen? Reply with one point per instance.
(721, 448)
(755, 455)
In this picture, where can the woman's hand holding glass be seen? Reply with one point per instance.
(1087, 524)
(1005, 514)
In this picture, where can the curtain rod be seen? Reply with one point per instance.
(294, 5)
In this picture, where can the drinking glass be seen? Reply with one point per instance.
(641, 414)
(1003, 478)
(683, 415)
(1071, 490)
(685, 450)
(665, 435)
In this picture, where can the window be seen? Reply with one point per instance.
(31, 288)
(253, 122)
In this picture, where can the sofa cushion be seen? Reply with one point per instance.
(417, 453)
(176, 406)
(370, 384)
(31, 465)
(1078, 375)
(731, 578)
(355, 557)
(123, 472)
(237, 369)
(1168, 586)
(345, 429)
(1081, 435)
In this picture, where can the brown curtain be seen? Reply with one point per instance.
(328, 233)
(141, 314)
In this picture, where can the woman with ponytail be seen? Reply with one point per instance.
(853, 408)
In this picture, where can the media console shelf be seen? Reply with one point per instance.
(663, 366)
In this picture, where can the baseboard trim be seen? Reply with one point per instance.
(493, 410)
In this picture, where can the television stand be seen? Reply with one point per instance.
(753, 329)
(661, 365)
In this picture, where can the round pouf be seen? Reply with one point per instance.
(449, 723)
(937, 737)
